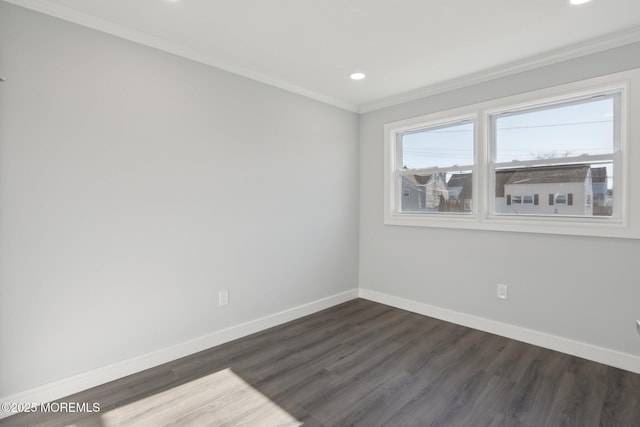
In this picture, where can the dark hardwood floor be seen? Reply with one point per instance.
(367, 364)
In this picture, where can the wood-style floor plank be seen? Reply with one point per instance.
(364, 364)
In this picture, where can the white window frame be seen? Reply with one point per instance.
(483, 216)
(393, 171)
(576, 97)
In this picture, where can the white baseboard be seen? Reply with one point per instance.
(64, 387)
(606, 356)
(80, 382)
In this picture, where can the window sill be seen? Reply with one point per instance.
(594, 227)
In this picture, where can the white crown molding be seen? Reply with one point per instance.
(76, 383)
(70, 15)
(629, 362)
(588, 47)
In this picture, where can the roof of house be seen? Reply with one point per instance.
(425, 179)
(549, 174)
(599, 175)
(464, 181)
(502, 176)
(417, 179)
(528, 175)
(422, 179)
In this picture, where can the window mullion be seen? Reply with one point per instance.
(481, 172)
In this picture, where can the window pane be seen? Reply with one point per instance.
(443, 146)
(575, 190)
(555, 132)
(603, 191)
(438, 192)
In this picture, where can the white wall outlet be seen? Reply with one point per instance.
(502, 291)
(223, 298)
(638, 326)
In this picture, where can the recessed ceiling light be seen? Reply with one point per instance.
(577, 2)
(357, 76)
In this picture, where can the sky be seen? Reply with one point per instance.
(575, 129)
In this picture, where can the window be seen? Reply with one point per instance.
(526, 199)
(559, 199)
(559, 148)
(435, 163)
(551, 161)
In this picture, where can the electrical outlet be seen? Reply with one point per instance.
(502, 291)
(223, 298)
(638, 326)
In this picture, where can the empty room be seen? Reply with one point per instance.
(320, 213)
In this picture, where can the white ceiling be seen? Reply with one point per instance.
(406, 47)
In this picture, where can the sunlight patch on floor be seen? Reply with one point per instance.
(221, 398)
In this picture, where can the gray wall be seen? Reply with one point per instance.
(135, 185)
(584, 289)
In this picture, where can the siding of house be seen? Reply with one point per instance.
(578, 190)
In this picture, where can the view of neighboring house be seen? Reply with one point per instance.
(460, 192)
(562, 190)
(423, 193)
(602, 197)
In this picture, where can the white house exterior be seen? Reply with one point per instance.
(423, 193)
(560, 190)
